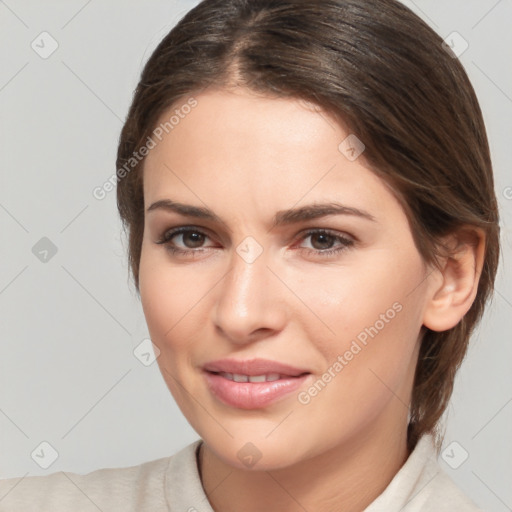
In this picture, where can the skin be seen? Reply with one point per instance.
(246, 157)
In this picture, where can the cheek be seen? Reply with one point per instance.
(367, 291)
(373, 311)
(167, 301)
(168, 305)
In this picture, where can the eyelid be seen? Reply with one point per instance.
(344, 240)
(167, 235)
(330, 231)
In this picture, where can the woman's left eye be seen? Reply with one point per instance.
(323, 242)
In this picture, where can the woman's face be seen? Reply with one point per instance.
(269, 273)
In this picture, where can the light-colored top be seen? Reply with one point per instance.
(174, 484)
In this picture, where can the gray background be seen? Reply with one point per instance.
(69, 325)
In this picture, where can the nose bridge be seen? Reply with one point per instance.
(245, 302)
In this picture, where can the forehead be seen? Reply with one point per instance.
(241, 121)
(253, 149)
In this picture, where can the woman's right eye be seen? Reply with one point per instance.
(189, 238)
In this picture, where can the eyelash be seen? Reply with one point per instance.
(167, 236)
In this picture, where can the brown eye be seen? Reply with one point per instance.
(193, 239)
(323, 241)
(183, 240)
(326, 243)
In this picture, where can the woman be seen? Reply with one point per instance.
(313, 232)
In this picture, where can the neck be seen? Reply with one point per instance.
(346, 478)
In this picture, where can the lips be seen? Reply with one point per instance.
(252, 367)
(252, 384)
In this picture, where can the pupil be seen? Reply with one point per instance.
(195, 238)
(327, 240)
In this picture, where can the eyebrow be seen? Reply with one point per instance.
(282, 217)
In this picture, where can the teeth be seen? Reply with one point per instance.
(236, 377)
(257, 378)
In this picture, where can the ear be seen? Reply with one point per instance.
(455, 284)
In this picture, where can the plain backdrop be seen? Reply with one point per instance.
(69, 318)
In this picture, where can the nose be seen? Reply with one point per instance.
(250, 301)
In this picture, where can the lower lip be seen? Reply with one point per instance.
(252, 395)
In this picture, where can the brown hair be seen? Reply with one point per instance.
(384, 73)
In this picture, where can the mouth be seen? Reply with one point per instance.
(269, 377)
(252, 384)
(253, 368)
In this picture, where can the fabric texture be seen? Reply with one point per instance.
(174, 484)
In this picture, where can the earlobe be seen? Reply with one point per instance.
(455, 288)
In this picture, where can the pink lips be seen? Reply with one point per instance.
(230, 381)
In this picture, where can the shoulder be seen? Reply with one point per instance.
(421, 485)
(442, 494)
(125, 489)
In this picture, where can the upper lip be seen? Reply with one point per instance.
(253, 367)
